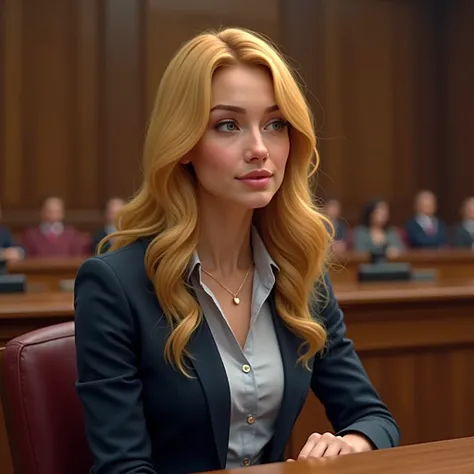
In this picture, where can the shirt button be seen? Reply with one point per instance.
(246, 368)
(250, 420)
(246, 462)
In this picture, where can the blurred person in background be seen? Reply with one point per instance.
(112, 208)
(425, 230)
(51, 238)
(8, 250)
(374, 232)
(332, 210)
(464, 232)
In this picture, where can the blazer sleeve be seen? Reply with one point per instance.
(109, 385)
(343, 387)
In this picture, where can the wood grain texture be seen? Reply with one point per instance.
(389, 82)
(443, 457)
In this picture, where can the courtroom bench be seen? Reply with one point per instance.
(48, 274)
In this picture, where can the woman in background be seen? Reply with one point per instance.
(374, 232)
(199, 334)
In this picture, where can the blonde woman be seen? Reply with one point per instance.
(201, 331)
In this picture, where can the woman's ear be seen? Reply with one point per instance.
(186, 159)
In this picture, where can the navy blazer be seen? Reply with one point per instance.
(96, 239)
(418, 238)
(143, 416)
(6, 240)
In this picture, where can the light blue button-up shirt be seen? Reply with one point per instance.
(255, 373)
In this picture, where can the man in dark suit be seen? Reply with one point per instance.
(425, 230)
(112, 208)
(464, 233)
(8, 250)
(333, 211)
(52, 238)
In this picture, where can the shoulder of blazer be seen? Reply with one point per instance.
(127, 263)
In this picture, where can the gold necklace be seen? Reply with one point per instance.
(235, 296)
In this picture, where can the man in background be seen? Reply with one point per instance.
(464, 233)
(8, 250)
(52, 238)
(333, 211)
(112, 208)
(425, 230)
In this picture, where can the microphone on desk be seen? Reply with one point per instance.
(378, 254)
(379, 270)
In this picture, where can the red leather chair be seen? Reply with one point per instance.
(43, 412)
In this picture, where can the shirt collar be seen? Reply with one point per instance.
(264, 263)
(56, 228)
(469, 225)
(110, 229)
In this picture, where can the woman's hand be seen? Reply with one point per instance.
(327, 445)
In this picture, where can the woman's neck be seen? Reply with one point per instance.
(224, 245)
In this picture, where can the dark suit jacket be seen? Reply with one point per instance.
(68, 244)
(144, 417)
(96, 238)
(462, 238)
(340, 230)
(6, 240)
(418, 238)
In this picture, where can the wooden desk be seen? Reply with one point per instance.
(445, 457)
(46, 274)
(447, 264)
(416, 341)
(21, 313)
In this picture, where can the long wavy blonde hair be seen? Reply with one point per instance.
(166, 208)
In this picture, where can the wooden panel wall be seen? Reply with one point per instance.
(389, 81)
(457, 161)
(373, 78)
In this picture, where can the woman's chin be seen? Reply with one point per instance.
(258, 201)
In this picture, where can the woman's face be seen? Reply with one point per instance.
(380, 215)
(242, 155)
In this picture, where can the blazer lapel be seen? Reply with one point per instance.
(297, 380)
(210, 370)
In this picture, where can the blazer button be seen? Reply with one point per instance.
(246, 462)
(246, 368)
(250, 420)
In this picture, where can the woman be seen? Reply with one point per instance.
(374, 233)
(196, 339)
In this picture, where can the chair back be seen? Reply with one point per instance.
(43, 413)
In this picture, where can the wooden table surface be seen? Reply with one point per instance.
(444, 457)
(36, 305)
(48, 273)
(39, 304)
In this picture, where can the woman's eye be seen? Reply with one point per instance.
(227, 126)
(277, 125)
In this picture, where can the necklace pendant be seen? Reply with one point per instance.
(236, 300)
